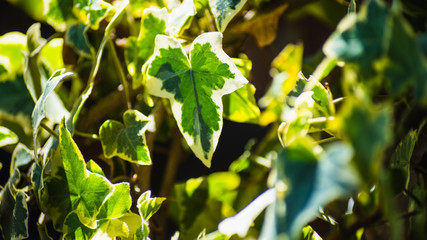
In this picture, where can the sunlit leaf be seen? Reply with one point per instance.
(180, 17)
(126, 141)
(91, 12)
(7, 137)
(194, 86)
(95, 168)
(51, 54)
(224, 11)
(74, 229)
(118, 203)
(147, 205)
(11, 46)
(87, 190)
(240, 106)
(57, 13)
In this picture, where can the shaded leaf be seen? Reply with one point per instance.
(21, 156)
(224, 11)
(195, 87)
(126, 141)
(7, 137)
(74, 229)
(76, 37)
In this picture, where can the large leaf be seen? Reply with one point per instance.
(224, 11)
(126, 141)
(194, 86)
(91, 12)
(87, 190)
(7, 137)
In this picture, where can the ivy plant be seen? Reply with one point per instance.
(118, 119)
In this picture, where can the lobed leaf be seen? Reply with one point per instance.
(126, 141)
(194, 87)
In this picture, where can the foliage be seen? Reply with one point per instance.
(125, 89)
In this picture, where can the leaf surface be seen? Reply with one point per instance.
(91, 12)
(224, 11)
(7, 137)
(194, 86)
(126, 141)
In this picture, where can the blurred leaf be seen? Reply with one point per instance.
(194, 85)
(87, 190)
(240, 106)
(263, 26)
(224, 11)
(51, 54)
(306, 184)
(12, 45)
(368, 129)
(58, 13)
(7, 137)
(33, 75)
(91, 12)
(76, 37)
(309, 234)
(126, 141)
(402, 155)
(21, 156)
(34, 8)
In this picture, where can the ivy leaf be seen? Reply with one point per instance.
(21, 156)
(180, 17)
(91, 12)
(74, 229)
(147, 206)
(307, 181)
(224, 11)
(138, 51)
(39, 110)
(58, 13)
(194, 86)
(7, 137)
(87, 190)
(12, 45)
(118, 203)
(240, 106)
(126, 141)
(14, 214)
(76, 37)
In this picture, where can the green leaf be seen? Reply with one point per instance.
(11, 57)
(118, 203)
(306, 184)
(126, 141)
(87, 190)
(74, 229)
(224, 11)
(36, 180)
(21, 156)
(51, 54)
(33, 73)
(134, 222)
(95, 168)
(39, 110)
(112, 228)
(138, 51)
(401, 157)
(147, 206)
(58, 13)
(13, 210)
(91, 12)
(194, 86)
(240, 106)
(369, 129)
(7, 137)
(76, 37)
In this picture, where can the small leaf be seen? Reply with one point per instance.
(7, 137)
(91, 12)
(224, 11)
(180, 17)
(195, 87)
(240, 106)
(112, 228)
(51, 54)
(21, 156)
(126, 141)
(87, 190)
(148, 206)
(95, 168)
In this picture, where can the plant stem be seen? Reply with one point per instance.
(86, 135)
(49, 130)
(327, 140)
(121, 73)
(320, 120)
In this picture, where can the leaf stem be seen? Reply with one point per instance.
(320, 120)
(49, 130)
(327, 140)
(121, 73)
(86, 135)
